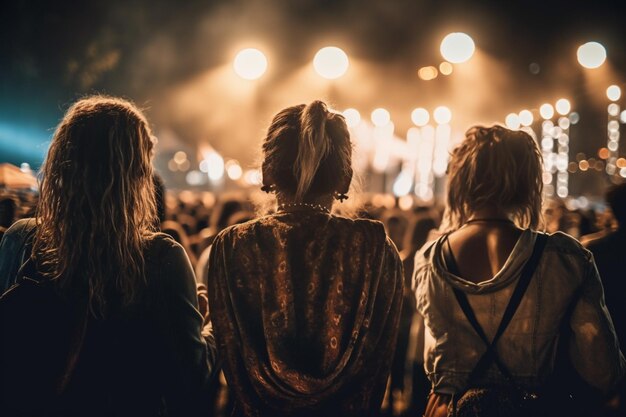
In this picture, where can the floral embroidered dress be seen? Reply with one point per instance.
(305, 308)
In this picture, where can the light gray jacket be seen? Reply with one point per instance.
(566, 279)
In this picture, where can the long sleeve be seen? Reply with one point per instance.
(192, 347)
(594, 348)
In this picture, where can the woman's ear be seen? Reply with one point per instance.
(344, 184)
(267, 179)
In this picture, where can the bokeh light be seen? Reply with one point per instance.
(420, 116)
(380, 117)
(442, 115)
(563, 106)
(215, 165)
(526, 118)
(352, 116)
(331, 62)
(427, 73)
(613, 93)
(250, 64)
(546, 111)
(233, 170)
(591, 55)
(457, 47)
(445, 68)
(512, 121)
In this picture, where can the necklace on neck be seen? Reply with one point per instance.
(489, 220)
(287, 207)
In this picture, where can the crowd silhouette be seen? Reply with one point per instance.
(122, 298)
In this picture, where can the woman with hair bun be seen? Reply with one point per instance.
(306, 304)
(501, 303)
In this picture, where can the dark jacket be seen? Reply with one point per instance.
(145, 359)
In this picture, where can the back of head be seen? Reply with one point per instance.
(616, 198)
(495, 166)
(307, 153)
(97, 201)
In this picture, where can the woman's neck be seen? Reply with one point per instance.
(322, 201)
(488, 213)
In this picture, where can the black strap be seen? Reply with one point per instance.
(490, 355)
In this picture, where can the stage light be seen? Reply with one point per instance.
(591, 55)
(380, 117)
(457, 47)
(180, 157)
(512, 121)
(546, 111)
(253, 177)
(427, 73)
(445, 68)
(420, 116)
(613, 93)
(215, 164)
(352, 116)
(250, 64)
(526, 118)
(331, 62)
(233, 170)
(563, 106)
(442, 115)
(402, 185)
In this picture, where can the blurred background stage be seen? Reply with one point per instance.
(410, 76)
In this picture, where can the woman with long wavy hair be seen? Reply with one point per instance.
(142, 351)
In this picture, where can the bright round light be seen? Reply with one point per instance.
(546, 111)
(331, 62)
(420, 116)
(380, 117)
(402, 185)
(427, 73)
(563, 106)
(622, 116)
(526, 118)
(613, 93)
(512, 121)
(233, 170)
(180, 157)
(352, 116)
(216, 166)
(250, 64)
(591, 55)
(457, 47)
(442, 115)
(445, 68)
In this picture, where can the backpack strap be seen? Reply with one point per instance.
(490, 356)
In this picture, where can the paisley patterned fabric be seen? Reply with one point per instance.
(305, 308)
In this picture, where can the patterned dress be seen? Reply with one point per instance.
(305, 308)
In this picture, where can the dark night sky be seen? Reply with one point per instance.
(54, 52)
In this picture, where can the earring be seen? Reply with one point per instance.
(341, 196)
(268, 188)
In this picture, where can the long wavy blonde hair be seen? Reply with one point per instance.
(498, 167)
(97, 201)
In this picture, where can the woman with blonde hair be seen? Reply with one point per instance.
(496, 297)
(137, 347)
(306, 304)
